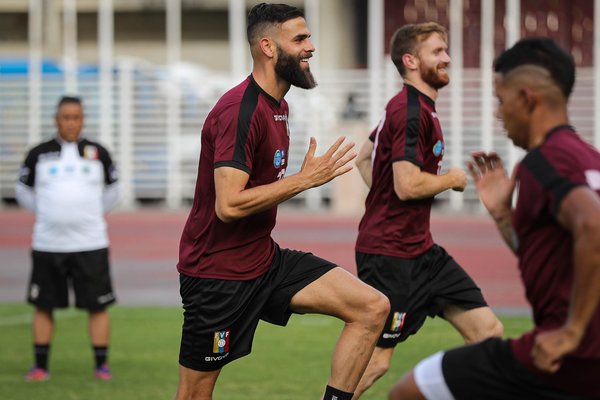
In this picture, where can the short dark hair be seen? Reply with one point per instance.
(542, 52)
(408, 38)
(264, 14)
(68, 100)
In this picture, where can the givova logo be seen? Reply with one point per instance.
(221, 341)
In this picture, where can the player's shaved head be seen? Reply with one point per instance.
(543, 53)
(537, 78)
(263, 18)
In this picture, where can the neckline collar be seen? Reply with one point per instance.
(267, 95)
(427, 98)
(556, 129)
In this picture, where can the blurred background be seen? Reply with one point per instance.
(149, 71)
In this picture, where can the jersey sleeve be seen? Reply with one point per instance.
(378, 129)
(111, 174)
(556, 171)
(409, 136)
(27, 170)
(24, 189)
(235, 140)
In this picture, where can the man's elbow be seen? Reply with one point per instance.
(589, 226)
(225, 213)
(404, 192)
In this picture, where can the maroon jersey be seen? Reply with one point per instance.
(409, 130)
(545, 251)
(248, 130)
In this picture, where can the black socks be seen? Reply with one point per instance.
(40, 352)
(336, 394)
(100, 354)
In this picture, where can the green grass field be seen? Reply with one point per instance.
(286, 363)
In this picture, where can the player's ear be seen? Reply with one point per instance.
(410, 62)
(529, 97)
(267, 47)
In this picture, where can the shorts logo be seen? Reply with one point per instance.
(279, 158)
(105, 298)
(34, 291)
(438, 148)
(221, 342)
(397, 321)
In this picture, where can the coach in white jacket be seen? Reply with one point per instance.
(69, 183)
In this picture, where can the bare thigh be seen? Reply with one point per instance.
(337, 293)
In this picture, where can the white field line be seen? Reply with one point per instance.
(25, 319)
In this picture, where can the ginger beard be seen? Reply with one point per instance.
(290, 69)
(434, 76)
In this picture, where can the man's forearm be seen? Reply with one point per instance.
(421, 186)
(503, 222)
(261, 198)
(585, 296)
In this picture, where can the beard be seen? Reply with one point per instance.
(434, 78)
(288, 68)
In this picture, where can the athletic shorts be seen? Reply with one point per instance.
(87, 272)
(417, 288)
(221, 316)
(485, 370)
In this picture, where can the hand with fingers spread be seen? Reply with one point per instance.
(320, 170)
(494, 187)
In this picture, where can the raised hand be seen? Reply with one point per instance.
(494, 187)
(322, 169)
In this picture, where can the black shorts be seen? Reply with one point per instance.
(221, 316)
(488, 370)
(87, 272)
(417, 288)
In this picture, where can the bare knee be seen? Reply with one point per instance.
(196, 385)
(375, 310)
(497, 330)
(474, 325)
(406, 389)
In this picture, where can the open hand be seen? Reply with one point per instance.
(493, 185)
(322, 169)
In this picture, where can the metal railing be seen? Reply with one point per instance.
(142, 141)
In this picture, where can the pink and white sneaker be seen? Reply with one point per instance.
(103, 373)
(36, 374)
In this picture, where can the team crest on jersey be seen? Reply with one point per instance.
(90, 152)
(279, 158)
(397, 321)
(221, 341)
(438, 148)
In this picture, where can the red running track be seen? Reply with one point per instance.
(144, 248)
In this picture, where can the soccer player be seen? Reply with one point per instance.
(232, 273)
(554, 229)
(69, 183)
(401, 162)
